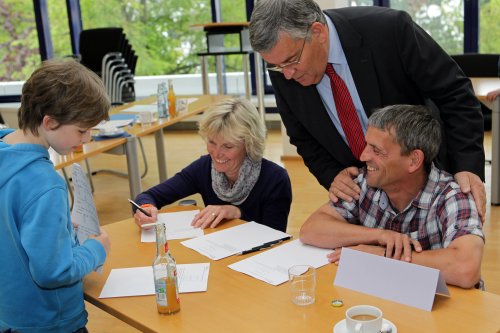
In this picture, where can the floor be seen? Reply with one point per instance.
(182, 147)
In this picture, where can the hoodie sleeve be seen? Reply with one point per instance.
(46, 232)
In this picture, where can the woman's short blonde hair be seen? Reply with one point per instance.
(236, 120)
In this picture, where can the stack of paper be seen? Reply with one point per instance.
(272, 266)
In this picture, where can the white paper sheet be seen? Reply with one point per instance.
(178, 226)
(84, 212)
(233, 240)
(395, 280)
(272, 266)
(138, 281)
(142, 108)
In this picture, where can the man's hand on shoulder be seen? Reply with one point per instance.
(471, 183)
(343, 186)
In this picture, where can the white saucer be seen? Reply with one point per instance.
(340, 326)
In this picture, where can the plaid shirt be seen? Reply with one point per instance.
(439, 214)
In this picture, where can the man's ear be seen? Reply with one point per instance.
(320, 30)
(416, 160)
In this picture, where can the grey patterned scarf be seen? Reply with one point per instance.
(247, 177)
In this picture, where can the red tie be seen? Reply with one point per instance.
(347, 113)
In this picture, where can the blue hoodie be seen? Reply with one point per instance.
(41, 263)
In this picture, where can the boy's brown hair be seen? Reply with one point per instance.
(66, 91)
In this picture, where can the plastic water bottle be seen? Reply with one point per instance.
(162, 100)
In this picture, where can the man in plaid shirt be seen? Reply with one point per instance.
(407, 208)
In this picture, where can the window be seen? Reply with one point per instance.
(232, 11)
(489, 29)
(59, 29)
(442, 19)
(159, 31)
(354, 3)
(19, 53)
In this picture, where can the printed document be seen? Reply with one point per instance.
(84, 213)
(272, 266)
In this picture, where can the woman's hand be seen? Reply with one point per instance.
(211, 215)
(140, 218)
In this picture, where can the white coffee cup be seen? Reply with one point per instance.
(363, 319)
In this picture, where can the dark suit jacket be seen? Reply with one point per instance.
(392, 61)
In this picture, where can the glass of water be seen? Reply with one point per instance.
(302, 280)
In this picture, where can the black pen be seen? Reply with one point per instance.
(265, 245)
(139, 208)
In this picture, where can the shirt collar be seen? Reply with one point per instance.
(335, 53)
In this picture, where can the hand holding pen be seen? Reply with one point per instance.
(144, 214)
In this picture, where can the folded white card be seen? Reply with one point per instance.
(395, 280)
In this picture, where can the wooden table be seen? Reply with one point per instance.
(235, 302)
(128, 146)
(482, 86)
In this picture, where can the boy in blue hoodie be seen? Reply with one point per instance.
(41, 287)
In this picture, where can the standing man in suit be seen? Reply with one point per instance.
(331, 69)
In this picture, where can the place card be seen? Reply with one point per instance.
(391, 279)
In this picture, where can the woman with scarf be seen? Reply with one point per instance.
(234, 180)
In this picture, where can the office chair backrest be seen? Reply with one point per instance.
(478, 65)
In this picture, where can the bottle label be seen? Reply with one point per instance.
(161, 292)
(162, 100)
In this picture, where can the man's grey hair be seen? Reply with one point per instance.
(413, 128)
(272, 17)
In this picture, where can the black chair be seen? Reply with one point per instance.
(106, 51)
(96, 43)
(480, 65)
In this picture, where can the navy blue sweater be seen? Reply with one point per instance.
(268, 203)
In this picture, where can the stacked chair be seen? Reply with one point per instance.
(107, 52)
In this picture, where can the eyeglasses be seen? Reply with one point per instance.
(279, 68)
